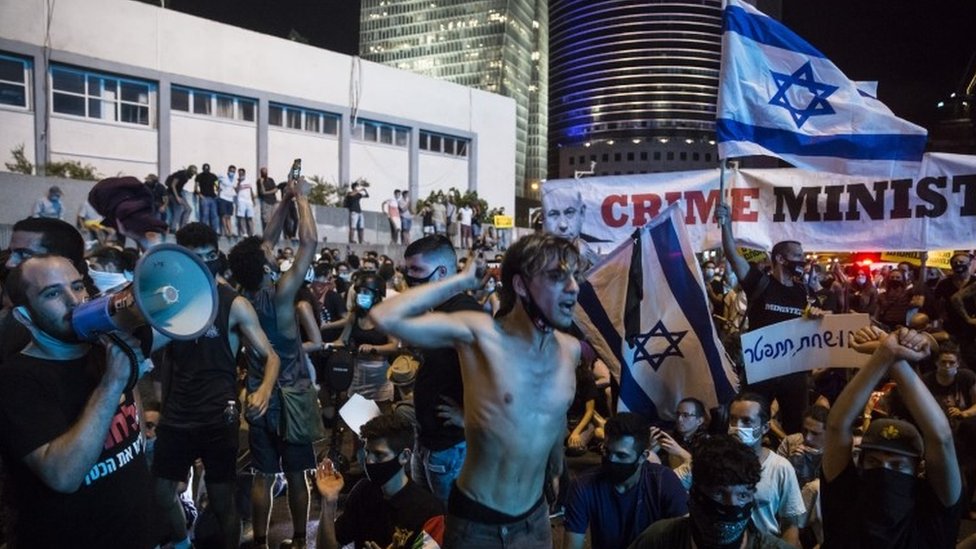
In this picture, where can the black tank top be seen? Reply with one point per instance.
(359, 336)
(203, 373)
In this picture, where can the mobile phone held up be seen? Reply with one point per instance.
(296, 170)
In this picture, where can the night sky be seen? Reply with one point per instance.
(916, 50)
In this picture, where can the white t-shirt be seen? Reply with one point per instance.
(466, 214)
(228, 186)
(777, 495)
(244, 191)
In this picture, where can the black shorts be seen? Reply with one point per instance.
(225, 207)
(177, 449)
(270, 454)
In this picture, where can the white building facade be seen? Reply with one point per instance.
(134, 89)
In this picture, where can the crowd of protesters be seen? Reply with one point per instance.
(484, 388)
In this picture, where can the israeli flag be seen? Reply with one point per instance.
(779, 96)
(645, 311)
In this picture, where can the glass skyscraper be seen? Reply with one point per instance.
(633, 85)
(500, 46)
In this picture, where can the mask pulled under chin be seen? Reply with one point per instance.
(716, 525)
(536, 315)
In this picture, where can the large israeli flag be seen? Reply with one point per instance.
(644, 310)
(779, 96)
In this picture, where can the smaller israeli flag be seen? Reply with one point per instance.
(645, 311)
(779, 96)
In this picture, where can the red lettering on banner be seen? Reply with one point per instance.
(606, 210)
(699, 208)
(646, 207)
(742, 204)
(695, 200)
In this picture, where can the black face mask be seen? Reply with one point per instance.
(617, 473)
(380, 473)
(896, 284)
(716, 525)
(888, 502)
(795, 268)
(417, 281)
(960, 268)
(215, 266)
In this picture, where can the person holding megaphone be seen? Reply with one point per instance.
(69, 420)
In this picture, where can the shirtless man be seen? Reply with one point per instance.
(518, 377)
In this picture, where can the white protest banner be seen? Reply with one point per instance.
(826, 212)
(802, 344)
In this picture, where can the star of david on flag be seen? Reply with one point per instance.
(779, 96)
(645, 311)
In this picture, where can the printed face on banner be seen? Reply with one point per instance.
(563, 213)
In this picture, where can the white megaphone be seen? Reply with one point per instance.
(172, 290)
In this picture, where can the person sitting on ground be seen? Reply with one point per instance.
(689, 428)
(778, 502)
(385, 509)
(626, 494)
(804, 451)
(879, 500)
(720, 503)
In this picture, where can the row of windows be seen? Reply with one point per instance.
(308, 120)
(14, 78)
(378, 132)
(212, 104)
(445, 144)
(631, 157)
(107, 97)
(99, 96)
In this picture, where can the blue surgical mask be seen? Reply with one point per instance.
(364, 301)
(747, 435)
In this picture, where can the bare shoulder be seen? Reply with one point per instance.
(569, 344)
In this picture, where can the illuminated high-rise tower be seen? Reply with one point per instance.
(495, 45)
(633, 85)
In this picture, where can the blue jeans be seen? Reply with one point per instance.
(208, 213)
(437, 470)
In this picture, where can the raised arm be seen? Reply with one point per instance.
(738, 263)
(850, 403)
(941, 466)
(408, 317)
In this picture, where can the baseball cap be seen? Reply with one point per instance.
(55, 190)
(895, 436)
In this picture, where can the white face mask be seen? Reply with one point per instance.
(105, 281)
(748, 435)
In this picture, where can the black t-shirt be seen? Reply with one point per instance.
(954, 324)
(843, 505)
(176, 181)
(201, 374)
(776, 303)
(41, 400)
(333, 308)
(368, 516)
(267, 185)
(440, 376)
(352, 202)
(956, 394)
(207, 184)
